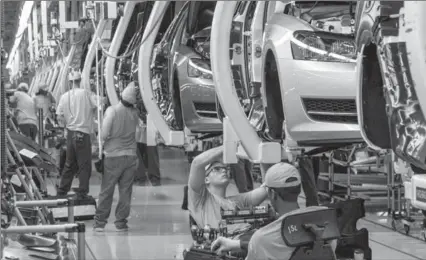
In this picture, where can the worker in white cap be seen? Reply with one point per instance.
(75, 111)
(283, 184)
(25, 111)
(120, 162)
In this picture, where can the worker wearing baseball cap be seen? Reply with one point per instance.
(76, 112)
(283, 184)
(120, 163)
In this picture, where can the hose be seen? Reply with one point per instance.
(3, 160)
(160, 18)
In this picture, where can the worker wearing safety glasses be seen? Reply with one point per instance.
(209, 178)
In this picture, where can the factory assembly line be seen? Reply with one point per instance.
(287, 130)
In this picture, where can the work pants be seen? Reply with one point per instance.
(117, 170)
(29, 130)
(149, 165)
(241, 171)
(307, 175)
(78, 162)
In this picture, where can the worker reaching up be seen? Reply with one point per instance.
(120, 164)
(76, 112)
(209, 178)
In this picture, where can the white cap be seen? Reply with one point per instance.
(74, 75)
(278, 176)
(22, 87)
(129, 93)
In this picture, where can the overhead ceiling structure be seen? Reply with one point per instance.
(12, 10)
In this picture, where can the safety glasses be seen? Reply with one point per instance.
(218, 169)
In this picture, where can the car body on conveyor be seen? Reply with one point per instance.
(181, 70)
(308, 79)
(246, 43)
(391, 109)
(131, 41)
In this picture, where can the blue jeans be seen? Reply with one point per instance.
(117, 170)
(78, 161)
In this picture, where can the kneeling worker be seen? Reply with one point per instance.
(208, 179)
(120, 164)
(283, 184)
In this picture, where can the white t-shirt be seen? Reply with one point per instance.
(77, 106)
(25, 108)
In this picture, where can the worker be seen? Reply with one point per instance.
(25, 111)
(283, 185)
(149, 160)
(120, 164)
(75, 111)
(44, 100)
(141, 174)
(209, 178)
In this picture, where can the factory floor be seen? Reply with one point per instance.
(159, 228)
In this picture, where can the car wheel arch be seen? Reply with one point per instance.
(273, 100)
(373, 119)
(176, 97)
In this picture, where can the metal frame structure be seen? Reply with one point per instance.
(155, 120)
(236, 127)
(91, 54)
(114, 48)
(78, 228)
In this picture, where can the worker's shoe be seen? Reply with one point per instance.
(98, 228)
(61, 195)
(122, 227)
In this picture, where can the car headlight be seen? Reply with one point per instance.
(323, 46)
(198, 68)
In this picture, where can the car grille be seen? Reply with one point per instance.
(331, 110)
(206, 109)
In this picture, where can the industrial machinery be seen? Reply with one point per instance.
(155, 121)
(125, 43)
(390, 83)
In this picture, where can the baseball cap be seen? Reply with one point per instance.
(129, 93)
(282, 175)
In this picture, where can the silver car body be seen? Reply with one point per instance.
(318, 98)
(197, 94)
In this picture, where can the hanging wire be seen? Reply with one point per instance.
(98, 100)
(126, 55)
(3, 160)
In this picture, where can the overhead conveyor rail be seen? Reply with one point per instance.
(236, 127)
(155, 120)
